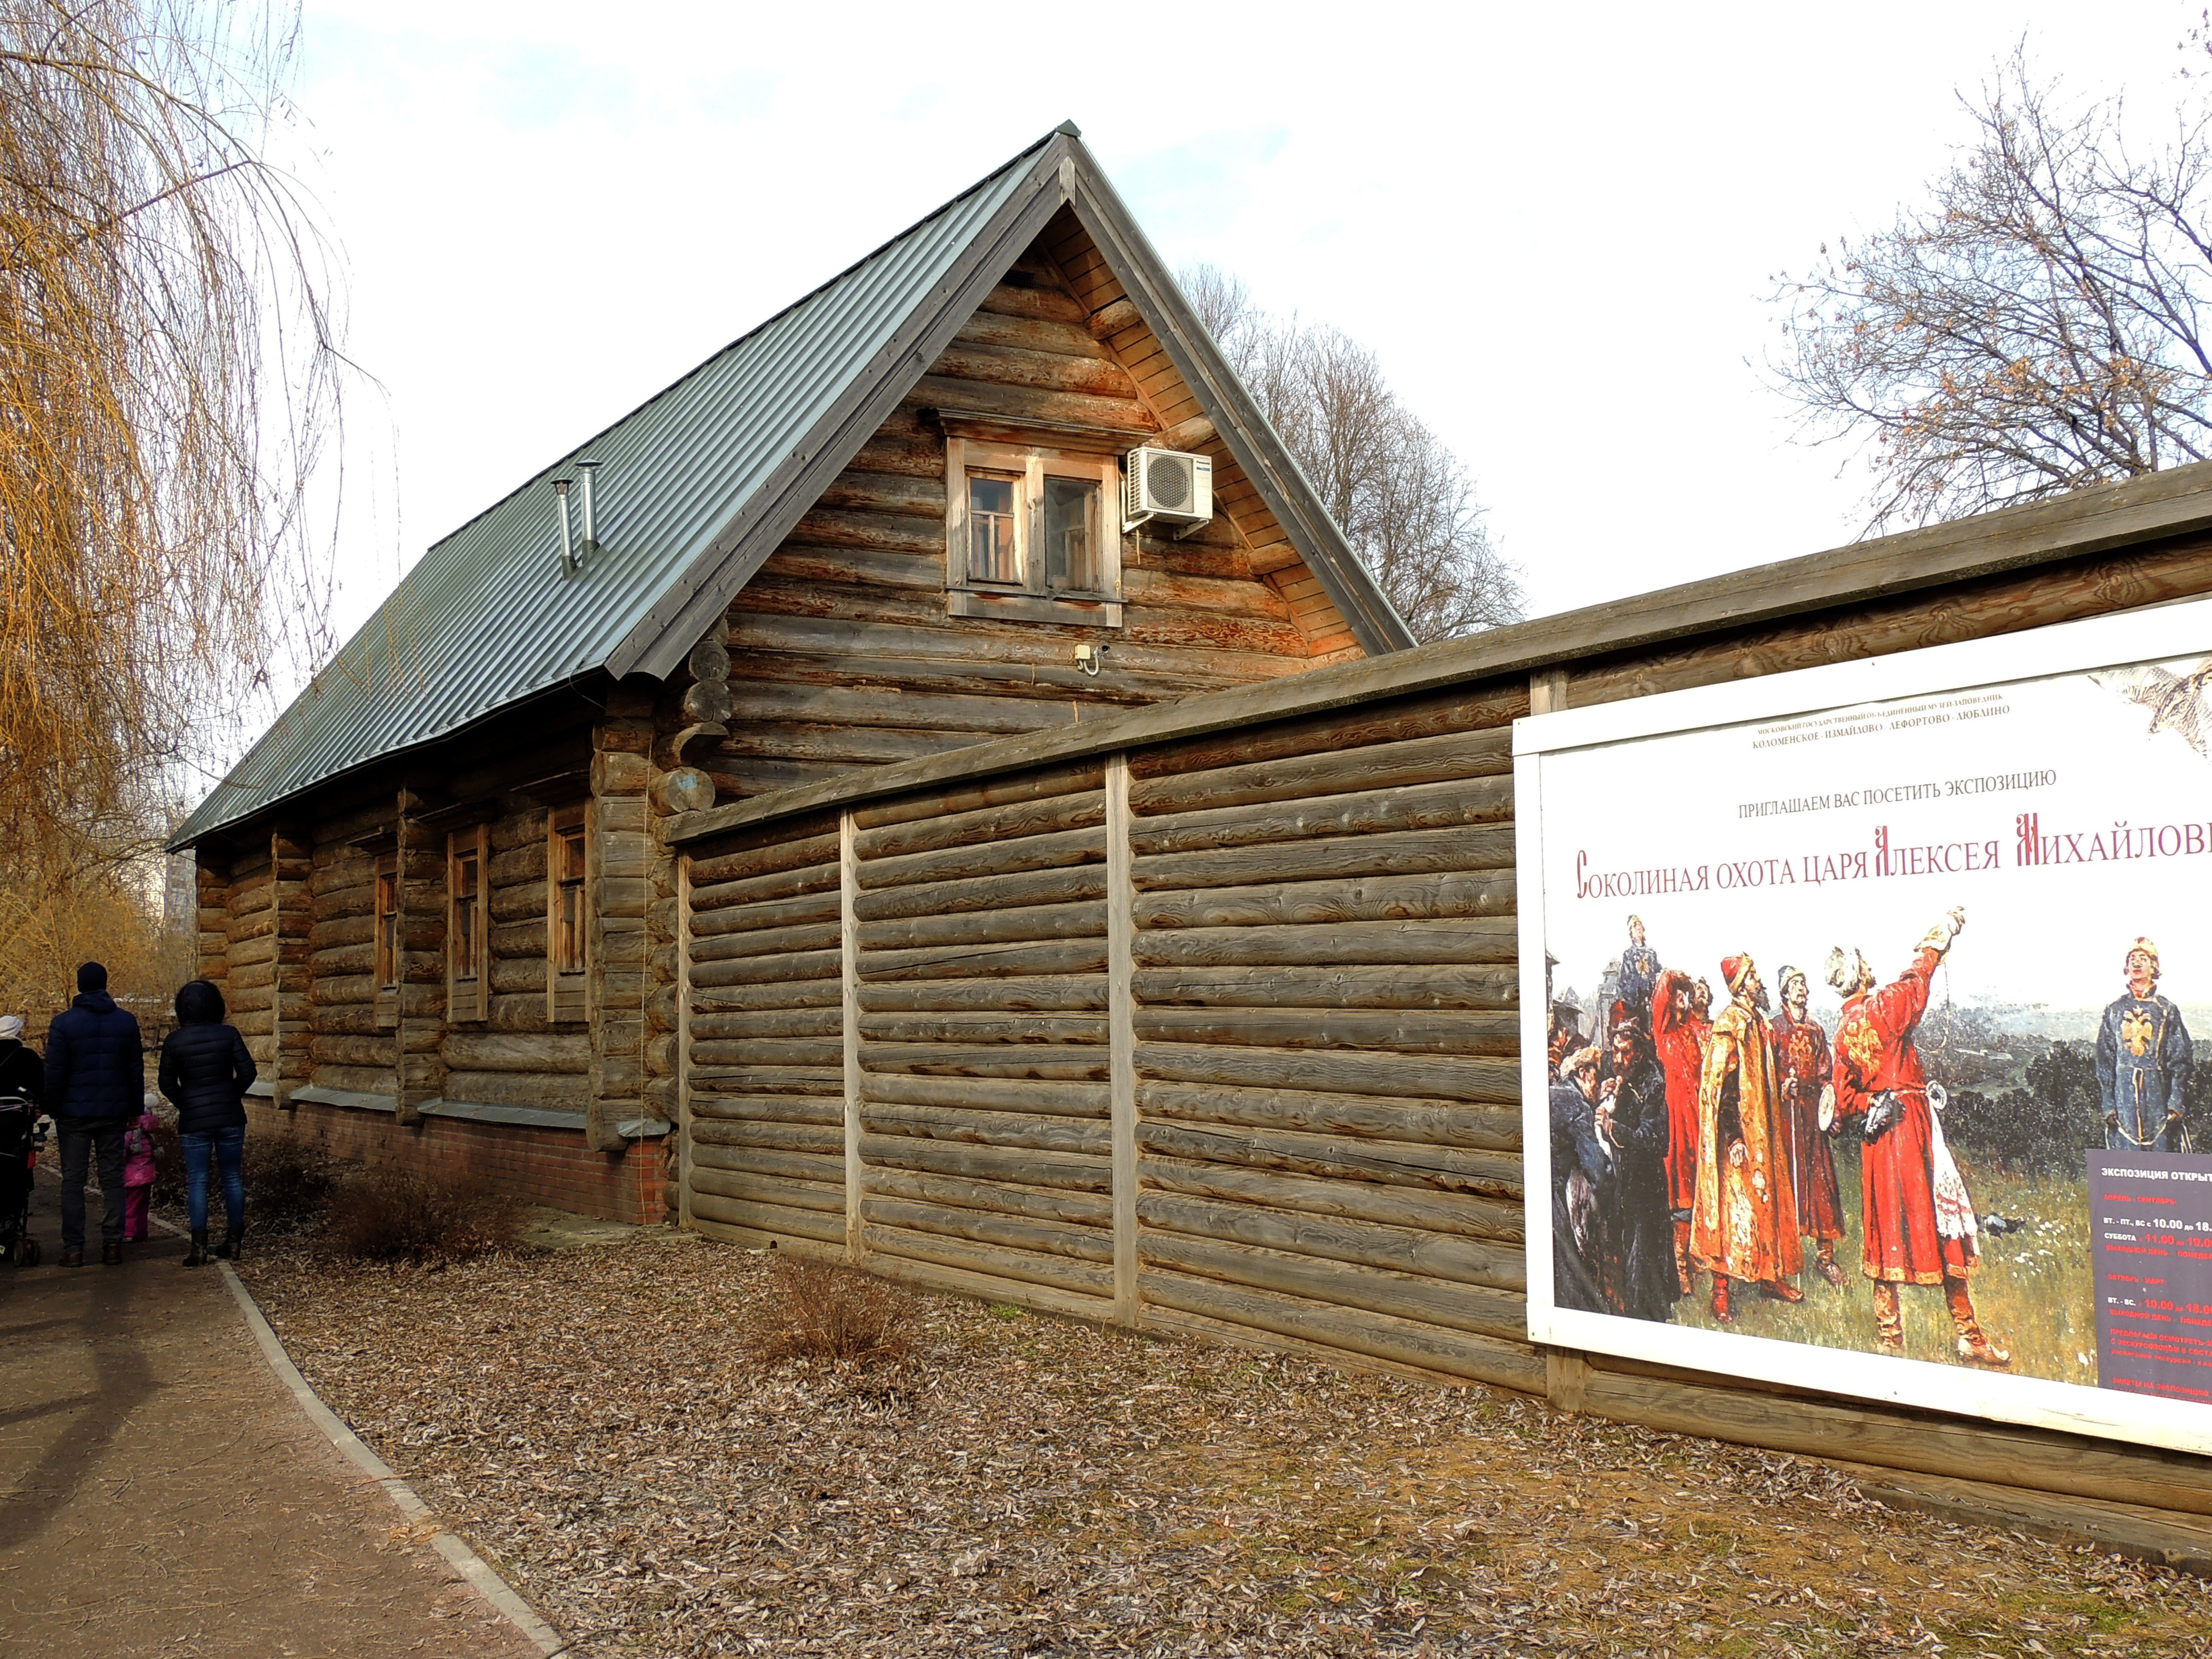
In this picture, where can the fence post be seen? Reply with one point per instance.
(680, 1133)
(848, 890)
(1121, 1034)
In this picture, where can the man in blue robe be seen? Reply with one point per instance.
(2144, 1057)
(1639, 973)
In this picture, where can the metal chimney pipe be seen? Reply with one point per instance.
(586, 469)
(568, 542)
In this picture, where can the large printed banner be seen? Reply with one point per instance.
(1872, 1050)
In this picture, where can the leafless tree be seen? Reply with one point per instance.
(2033, 325)
(168, 382)
(1403, 499)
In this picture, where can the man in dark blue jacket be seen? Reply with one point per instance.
(95, 1086)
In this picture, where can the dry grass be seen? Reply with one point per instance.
(814, 1312)
(396, 1215)
(595, 1423)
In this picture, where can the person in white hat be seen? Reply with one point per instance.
(22, 1071)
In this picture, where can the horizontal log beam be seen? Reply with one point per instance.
(1473, 942)
(1405, 1249)
(1403, 1031)
(998, 1197)
(1369, 1117)
(1464, 1214)
(1378, 1336)
(1477, 1309)
(1454, 988)
(1338, 1158)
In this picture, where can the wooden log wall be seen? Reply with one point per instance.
(977, 997)
(1289, 1113)
(346, 1048)
(249, 985)
(621, 853)
(518, 1056)
(764, 1159)
(1326, 1041)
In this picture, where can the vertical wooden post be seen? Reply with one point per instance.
(848, 893)
(290, 864)
(418, 1072)
(1566, 1373)
(681, 1133)
(1121, 1034)
(1547, 690)
(619, 851)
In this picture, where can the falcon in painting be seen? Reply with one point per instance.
(2176, 701)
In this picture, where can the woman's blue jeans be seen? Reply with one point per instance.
(228, 1146)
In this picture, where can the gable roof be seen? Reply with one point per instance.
(703, 481)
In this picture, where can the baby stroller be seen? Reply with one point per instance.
(22, 1133)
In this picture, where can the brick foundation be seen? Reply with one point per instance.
(538, 1165)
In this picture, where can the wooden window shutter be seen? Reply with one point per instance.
(390, 958)
(567, 914)
(468, 954)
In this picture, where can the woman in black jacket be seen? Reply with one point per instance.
(205, 1072)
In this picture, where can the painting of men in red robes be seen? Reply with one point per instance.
(1918, 1218)
(1743, 1225)
(1800, 1055)
(1679, 1040)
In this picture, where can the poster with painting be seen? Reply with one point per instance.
(1874, 1048)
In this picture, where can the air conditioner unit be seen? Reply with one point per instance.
(1167, 484)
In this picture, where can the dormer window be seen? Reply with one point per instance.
(993, 512)
(1032, 533)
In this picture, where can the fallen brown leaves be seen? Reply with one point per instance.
(1022, 1486)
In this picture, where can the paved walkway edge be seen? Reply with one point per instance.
(464, 1560)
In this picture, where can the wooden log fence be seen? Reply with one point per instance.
(1182, 1039)
(1204, 1017)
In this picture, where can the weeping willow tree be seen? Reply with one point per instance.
(168, 384)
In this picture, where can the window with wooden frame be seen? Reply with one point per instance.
(1032, 533)
(567, 916)
(468, 963)
(389, 959)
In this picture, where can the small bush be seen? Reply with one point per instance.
(397, 1215)
(836, 1316)
(287, 1184)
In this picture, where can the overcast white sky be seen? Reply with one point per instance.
(1555, 225)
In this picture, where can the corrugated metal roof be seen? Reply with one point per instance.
(486, 617)
(701, 484)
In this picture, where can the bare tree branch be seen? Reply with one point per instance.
(1402, 499)
(2032, 327)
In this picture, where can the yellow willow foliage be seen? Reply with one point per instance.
(104, 911)
(167, 383)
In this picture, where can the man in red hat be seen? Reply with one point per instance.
(1680, 1042)
(1919, 1217)
(2143, 1056)
(1744, 1222)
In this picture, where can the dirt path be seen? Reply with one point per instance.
(1027, 1488)
(160, 1492)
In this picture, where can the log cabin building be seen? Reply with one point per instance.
(887, 522)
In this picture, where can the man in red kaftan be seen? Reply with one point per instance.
(1680, 1044)
(1800, 1055)
(1918, 1219)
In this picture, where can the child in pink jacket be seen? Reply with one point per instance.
(139, 1173)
